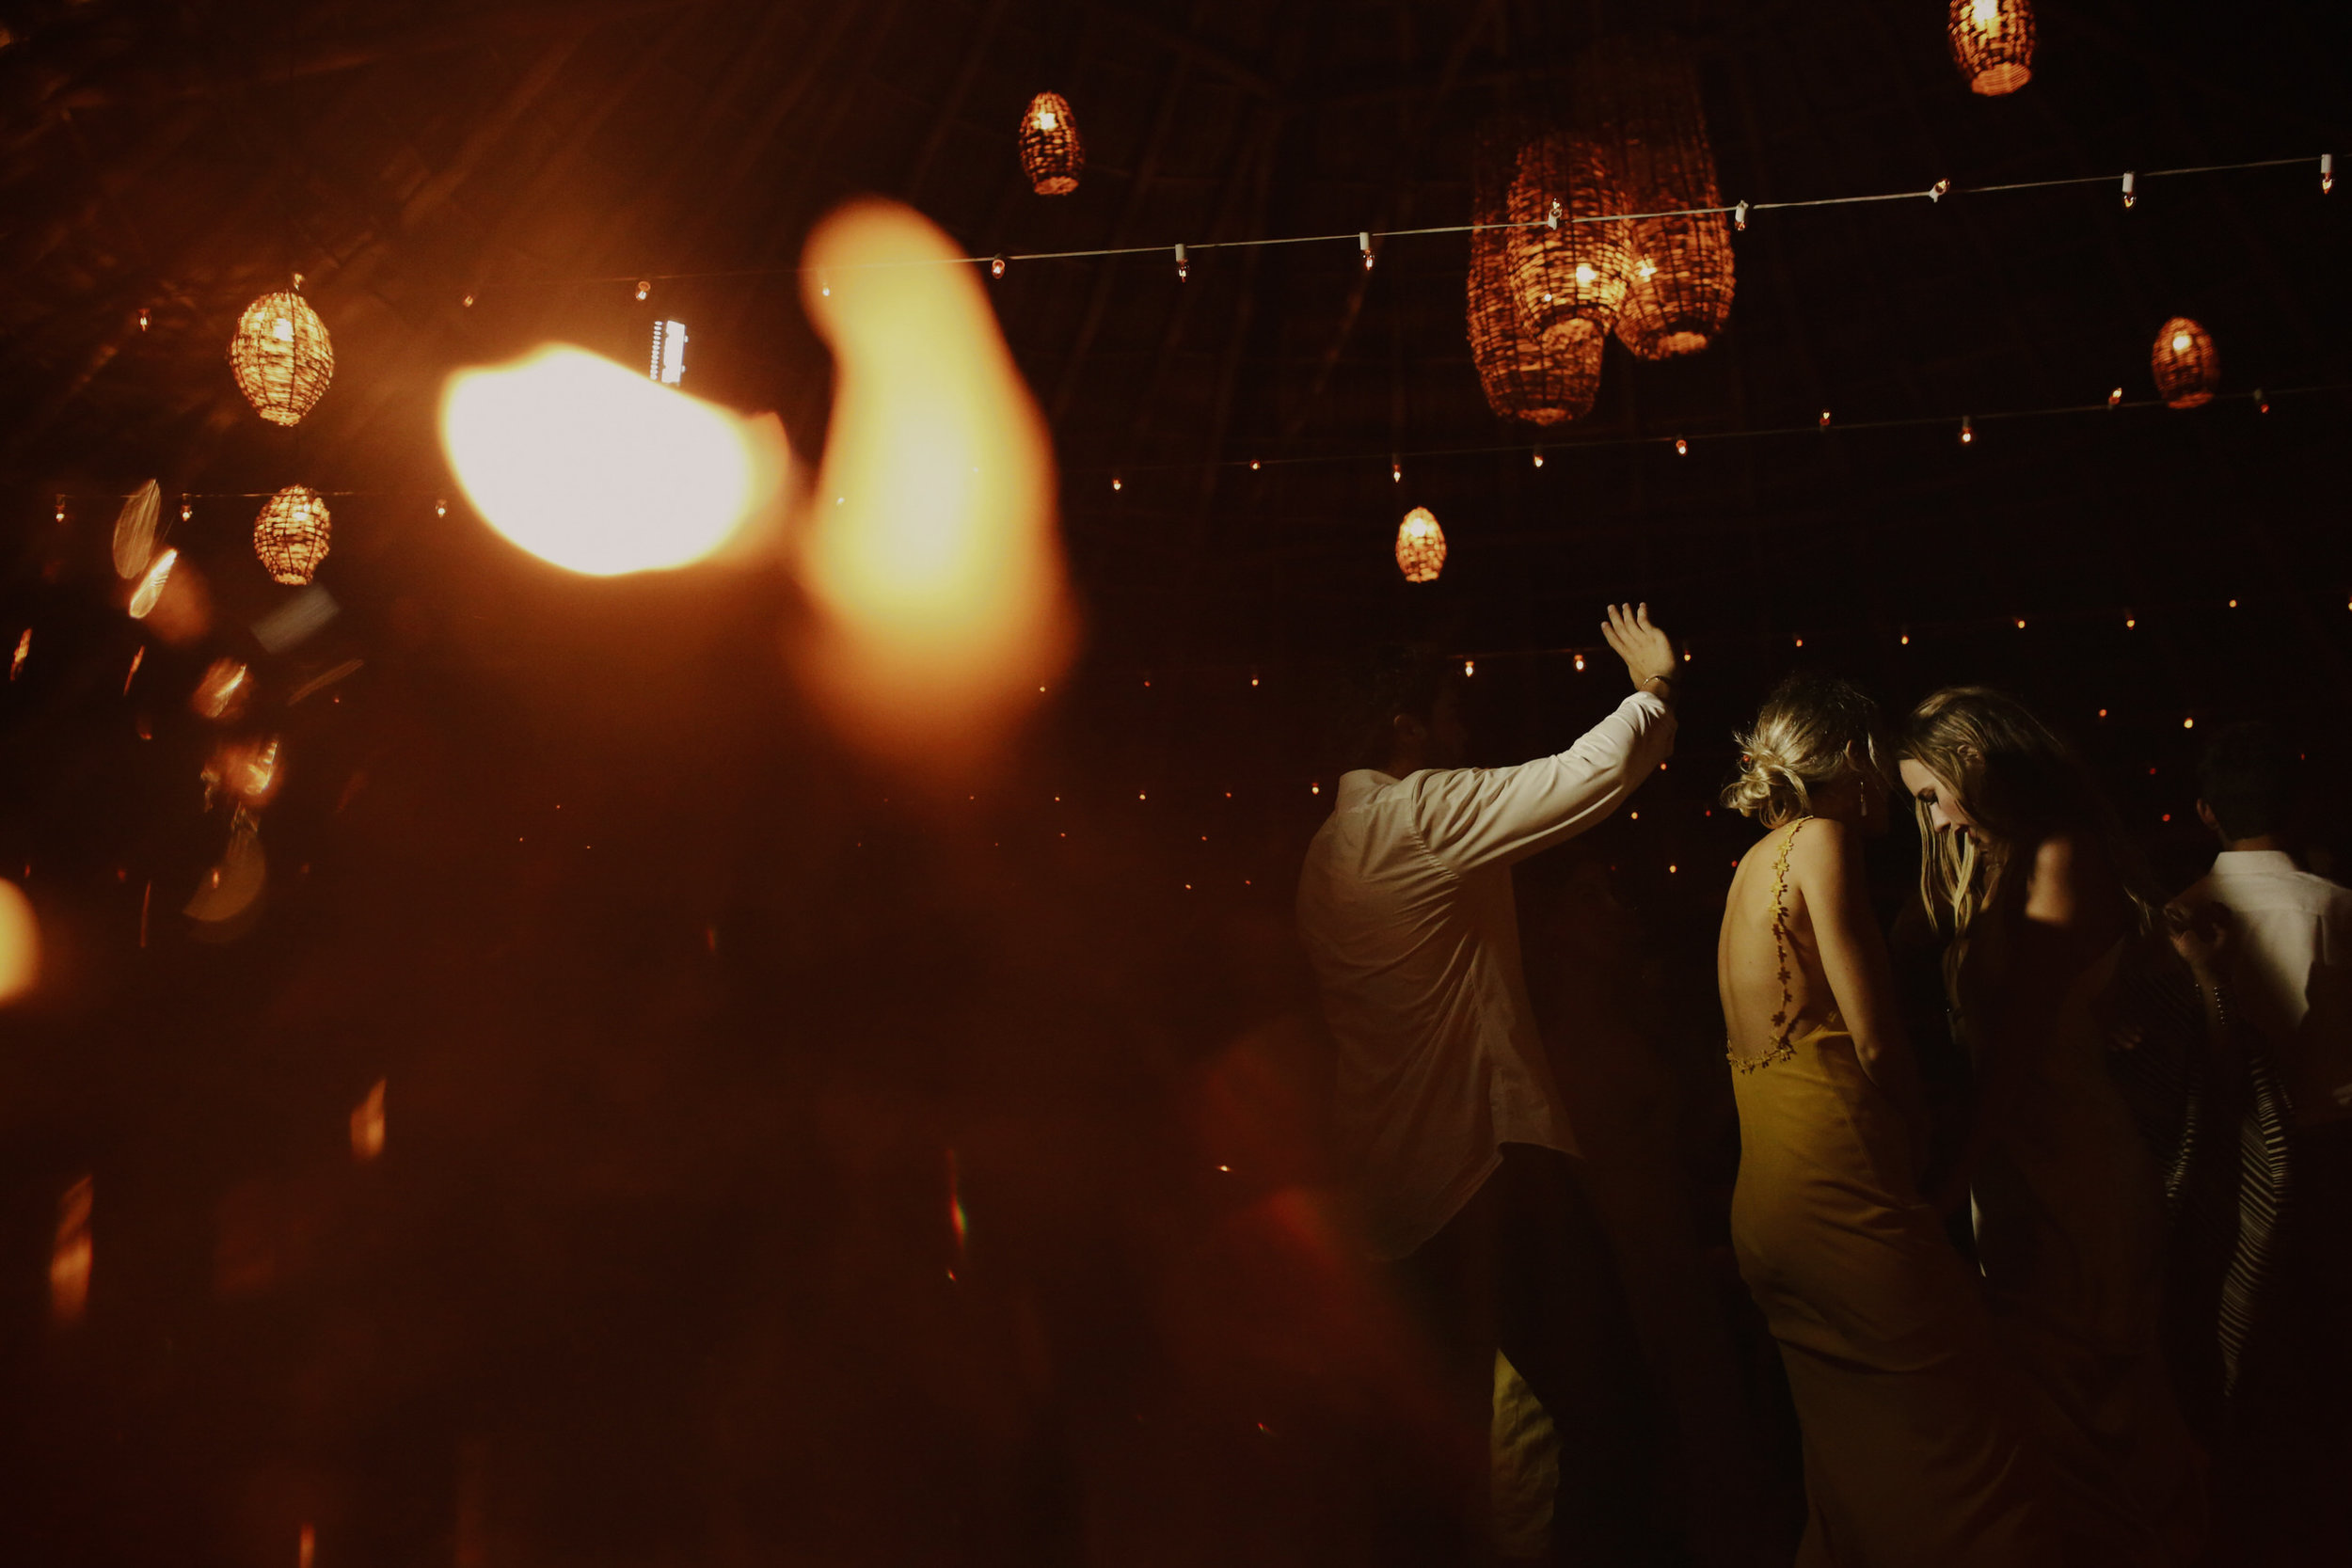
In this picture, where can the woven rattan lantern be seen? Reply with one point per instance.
(1420, 545)
(2187, 367)
(1050, 153)
(1571, 276)
(290, 535)
(282, 355)
(1639, 100)
(1992, 45)
(1523, 379)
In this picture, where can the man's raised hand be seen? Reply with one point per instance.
(1647, 651)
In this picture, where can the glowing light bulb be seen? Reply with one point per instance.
(1986, 14)
(644, 287)
(2115, 399)
(1396, 471)
(1824, 418)
(1117, 483)
(2181, 341)
(1967, 431)
(1646, 269)
(1682, 448)
(283, 329)
(1906, 639)
(1363, 244)
(1585, 274)
(142, 318)
(996, 267)
(1469, 666)
(1580, 661)
(2189, 723)
(2129, 621)
(1539, 457)
(1048, 120)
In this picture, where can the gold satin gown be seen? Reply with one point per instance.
(1912, 1444)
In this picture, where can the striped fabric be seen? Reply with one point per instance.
(2216, 1115)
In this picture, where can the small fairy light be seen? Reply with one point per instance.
(2102, 713)
(1539, 457)
(1314, 790)
(1363, 245)
(2115, 399)
(1739, 214)
(61, 509)
(1938, 191)
(1967, 431)
(2130, 194)
(1906, 639)
(996, 266)
(1580, 663)
(466, 302)
(1254, 464)
(2232, 604)
(1824, 418)
(1672, 868)
(440, 507)
(1117, 483)
(2189, 723)
(2261, 404)
(143, 318)
(1396, 470)
(1184, 267)
(644, 288)
(2020, 623)
(2130, 620)
(1682, 448)
(2326, 173)
(24, 652)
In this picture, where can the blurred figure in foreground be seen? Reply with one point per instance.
(2049, 915)
(1448, 1116)
(1915, 1448)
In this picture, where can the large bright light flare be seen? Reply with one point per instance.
(931, 551)
(20, 944)
(594, 468)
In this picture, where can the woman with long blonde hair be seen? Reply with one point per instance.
(1915, 1447)
(2027, 872)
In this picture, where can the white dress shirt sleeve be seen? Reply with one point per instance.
(1475, 816)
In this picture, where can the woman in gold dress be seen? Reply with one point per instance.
(1911, 1433)
(2028, 872)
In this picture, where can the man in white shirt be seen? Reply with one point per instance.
(1448, 1116)
(2290, 932)
(2290, 954)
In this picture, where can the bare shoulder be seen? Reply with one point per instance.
(2070, 878)
(1824, 849)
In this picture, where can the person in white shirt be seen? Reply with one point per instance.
(2290, 947)
(1447, 1118)
(2288, 952)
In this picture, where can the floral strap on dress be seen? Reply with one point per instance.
(1783, 1025)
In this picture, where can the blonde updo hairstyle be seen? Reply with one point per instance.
(1813, 731)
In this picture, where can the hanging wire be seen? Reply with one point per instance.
(1933, 194)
